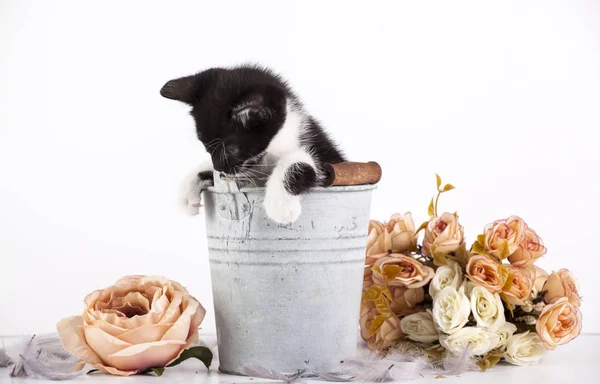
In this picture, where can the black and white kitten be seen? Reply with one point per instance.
(250, 122)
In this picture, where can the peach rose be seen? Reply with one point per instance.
(402, 232)
(561, 284)
(486, 272)
(538, 276)
(379, 240)
(401, 271)
(406, 299)
(386, 336)
(442, 235)
(529, 250)
(396, 235)
(140, 322)
(504, 236)
(558, 323)
(520, 289)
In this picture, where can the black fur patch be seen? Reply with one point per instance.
(299, 177)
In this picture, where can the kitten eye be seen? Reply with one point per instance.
(233, 149)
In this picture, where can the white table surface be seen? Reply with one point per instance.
(577, 362)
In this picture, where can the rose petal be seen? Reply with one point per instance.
(173, 312)
(70, 331)
(142, 356)
(145, 334)
(181, 329)
(102, 343)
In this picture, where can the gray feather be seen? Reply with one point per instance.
(44, 357)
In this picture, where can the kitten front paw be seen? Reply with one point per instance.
(191, 193)
(282, 207)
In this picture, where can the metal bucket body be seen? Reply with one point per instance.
(286, 294)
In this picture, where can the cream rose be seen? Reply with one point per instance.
(504, 333)
(379, 240)
(406, 299)
(529, 250)
(562, 284)
(478, 340)
(504, 236)
(401, 270)
(559, 323)
(486, 272)
(442, 235)
(487, 309)
(420, 327)
(524, 349)
(402, 232)
(445, 276)
(520, 287)
(451, 309)
(140, 322)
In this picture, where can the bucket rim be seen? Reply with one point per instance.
(331, 189)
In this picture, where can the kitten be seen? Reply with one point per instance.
(250, 122)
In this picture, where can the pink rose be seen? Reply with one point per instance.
(559, 323)
(442, 235)
(559, 285)
(520, 289)
(529, 250)
(503, 237)
(401, 271)
(140, 322)
(406, 299)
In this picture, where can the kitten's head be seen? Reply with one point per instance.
(237, 111)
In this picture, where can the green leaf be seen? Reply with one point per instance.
(158, 371)
(201, 353)
(439, 180)
(431, 210)
(448, 187)
(478, 248)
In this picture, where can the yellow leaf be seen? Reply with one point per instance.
(439, 180)
(481, 238)
(448, 187)
(383, 306)
(505, 274)
(373, 293)
(422, 227)
(489, 360)
(386, 292)
(390, 272)
(507, 303)
(439, 259)
(504, 251)
(431, 210)
(478, 248)
(376, 324)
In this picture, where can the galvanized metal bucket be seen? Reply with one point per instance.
(286, 294)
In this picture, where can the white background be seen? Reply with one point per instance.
(502, 99)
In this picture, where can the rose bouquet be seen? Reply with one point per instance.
(489, 301)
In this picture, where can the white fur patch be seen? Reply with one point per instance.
(190, 191)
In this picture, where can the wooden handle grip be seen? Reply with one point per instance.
(352, 173)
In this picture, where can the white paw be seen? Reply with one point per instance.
(191, 193)
(282, 207)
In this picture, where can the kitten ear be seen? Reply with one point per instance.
(183, 89)
(259, 106)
